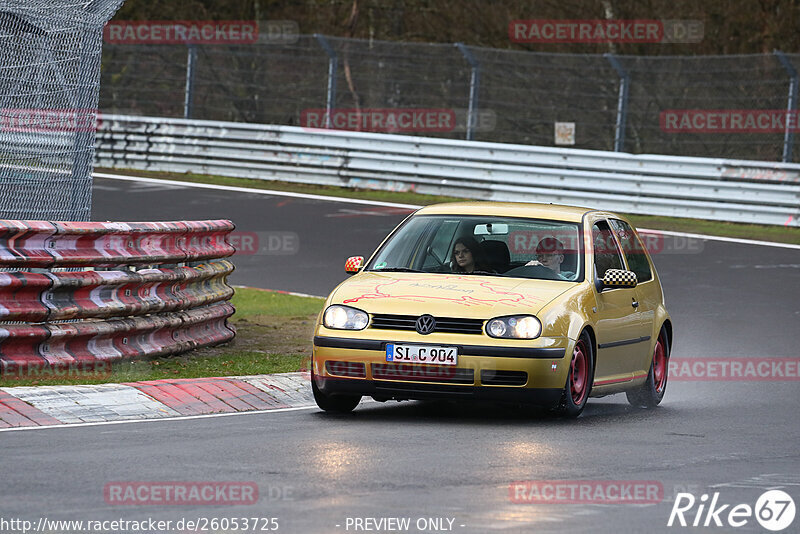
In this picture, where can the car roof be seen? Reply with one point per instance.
(509, 209)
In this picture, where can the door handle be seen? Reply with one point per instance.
(635, 304)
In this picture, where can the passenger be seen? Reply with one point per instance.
(467, 256)
(550, 254)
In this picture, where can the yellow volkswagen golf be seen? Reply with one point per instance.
(525, 303)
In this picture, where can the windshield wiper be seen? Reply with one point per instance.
(486, 273)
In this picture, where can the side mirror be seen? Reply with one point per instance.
(616, 278)
(353, 264)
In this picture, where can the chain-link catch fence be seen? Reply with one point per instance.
(517, 96)
(50, 53)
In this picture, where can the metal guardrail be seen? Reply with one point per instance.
(85, 319)
(102, 244)
(57, 296)
(705, 188)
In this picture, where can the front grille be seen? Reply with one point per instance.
(354, 369)
(446, 374)
(491, 377)
(449, 325)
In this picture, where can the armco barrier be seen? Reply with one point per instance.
(163, 308)
(25, 346)
(56, 296)
(707, 188)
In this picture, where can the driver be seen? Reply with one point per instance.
(550, 254)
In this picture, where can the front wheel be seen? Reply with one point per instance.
(334, 403)
(579, 381)
(649, 394)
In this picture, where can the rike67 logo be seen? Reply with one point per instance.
(774, 510)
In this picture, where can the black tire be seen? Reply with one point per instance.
(649, 394)
(334, 403)
(579, 379)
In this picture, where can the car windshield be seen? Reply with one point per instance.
(484, 245)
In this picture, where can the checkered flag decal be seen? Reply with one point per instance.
(353, 264)
(617, 277)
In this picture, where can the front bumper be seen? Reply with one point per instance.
(386, 389)
(527, 374)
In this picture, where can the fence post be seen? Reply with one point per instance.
(791, 106)
(474, 83)
(330, 99)
(85, 98)
(622, 102)
(188, 93)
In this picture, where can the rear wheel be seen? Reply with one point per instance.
(579, 381)
(334, 403)
(649, 394)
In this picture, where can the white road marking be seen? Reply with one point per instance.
(766, 481)
(778, 266)
(178, 418)
(293, 293)
(372, 213)
(149, 188)
(720, 238)
(398, 205)
(105, 187)
(255, 191)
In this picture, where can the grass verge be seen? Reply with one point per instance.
(777, 234)
(273, 335)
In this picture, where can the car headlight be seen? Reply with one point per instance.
(345, 318)
(514, 327)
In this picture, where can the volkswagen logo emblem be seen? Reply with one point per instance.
(426, 324)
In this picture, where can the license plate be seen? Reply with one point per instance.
(422, 354)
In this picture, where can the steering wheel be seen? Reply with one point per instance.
(433, 255)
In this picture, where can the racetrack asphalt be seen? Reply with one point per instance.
(421, 460)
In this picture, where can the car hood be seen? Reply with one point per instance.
(446, 295)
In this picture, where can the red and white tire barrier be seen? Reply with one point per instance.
(55, 296)
(86, 319)
(101, 244)
(87, 345)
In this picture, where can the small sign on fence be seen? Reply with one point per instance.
(565, 133)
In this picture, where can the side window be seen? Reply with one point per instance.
(606, 252)
(633, 249)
